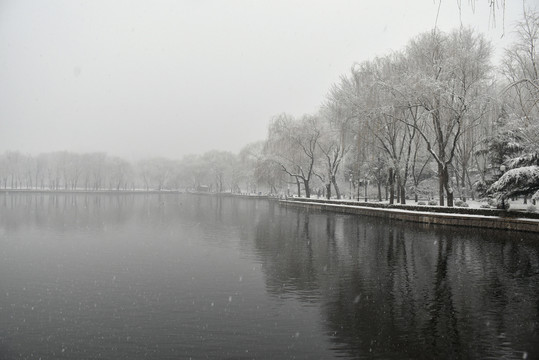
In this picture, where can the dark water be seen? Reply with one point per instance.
(182, 276)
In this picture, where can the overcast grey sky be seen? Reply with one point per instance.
(168, 78)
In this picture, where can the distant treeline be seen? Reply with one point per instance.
(64, 170)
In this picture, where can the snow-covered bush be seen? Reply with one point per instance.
(491, 202)
(461, 203)
(531, 208)
(433, 202)
(484, 206)
(421, 203)
(519, 181)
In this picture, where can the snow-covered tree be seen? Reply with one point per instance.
(521, 69)
(518, 139)
(294, 146)
(334, 143)
(451, 72)
(519, 181)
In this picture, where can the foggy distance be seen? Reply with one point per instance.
(140, 79)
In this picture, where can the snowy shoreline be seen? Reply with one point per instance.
(509, 223)
(473, 208)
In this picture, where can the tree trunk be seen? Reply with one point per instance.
(445, 185)
(464, 182)
(403, 194)
(398, 189)
(391, 186)
(307, 190)
(366, 186)
(472, 193)
(458, 183)
(328, 191)
(450, 199)
(379, 191)
(441, 174)
(337, 191)
(299, 187)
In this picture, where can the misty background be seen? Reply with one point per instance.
(139, 79)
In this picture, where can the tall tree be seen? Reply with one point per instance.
(335, 142)
(294, 144)
(450, 72)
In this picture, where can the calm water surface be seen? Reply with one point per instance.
(184, 276)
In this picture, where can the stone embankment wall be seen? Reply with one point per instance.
(425, 217)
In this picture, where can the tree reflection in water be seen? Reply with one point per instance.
(400, 290)
(382, 289)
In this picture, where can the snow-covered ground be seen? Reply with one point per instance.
(514, 205)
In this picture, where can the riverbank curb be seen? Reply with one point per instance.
(462, 220)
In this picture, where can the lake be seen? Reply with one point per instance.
(179, 276)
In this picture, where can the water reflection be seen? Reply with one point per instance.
(331, 285)
(63, 211)
(396, 290)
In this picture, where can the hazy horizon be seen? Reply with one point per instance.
(141, 79)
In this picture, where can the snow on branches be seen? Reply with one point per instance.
(524, 160)
(519, 181)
